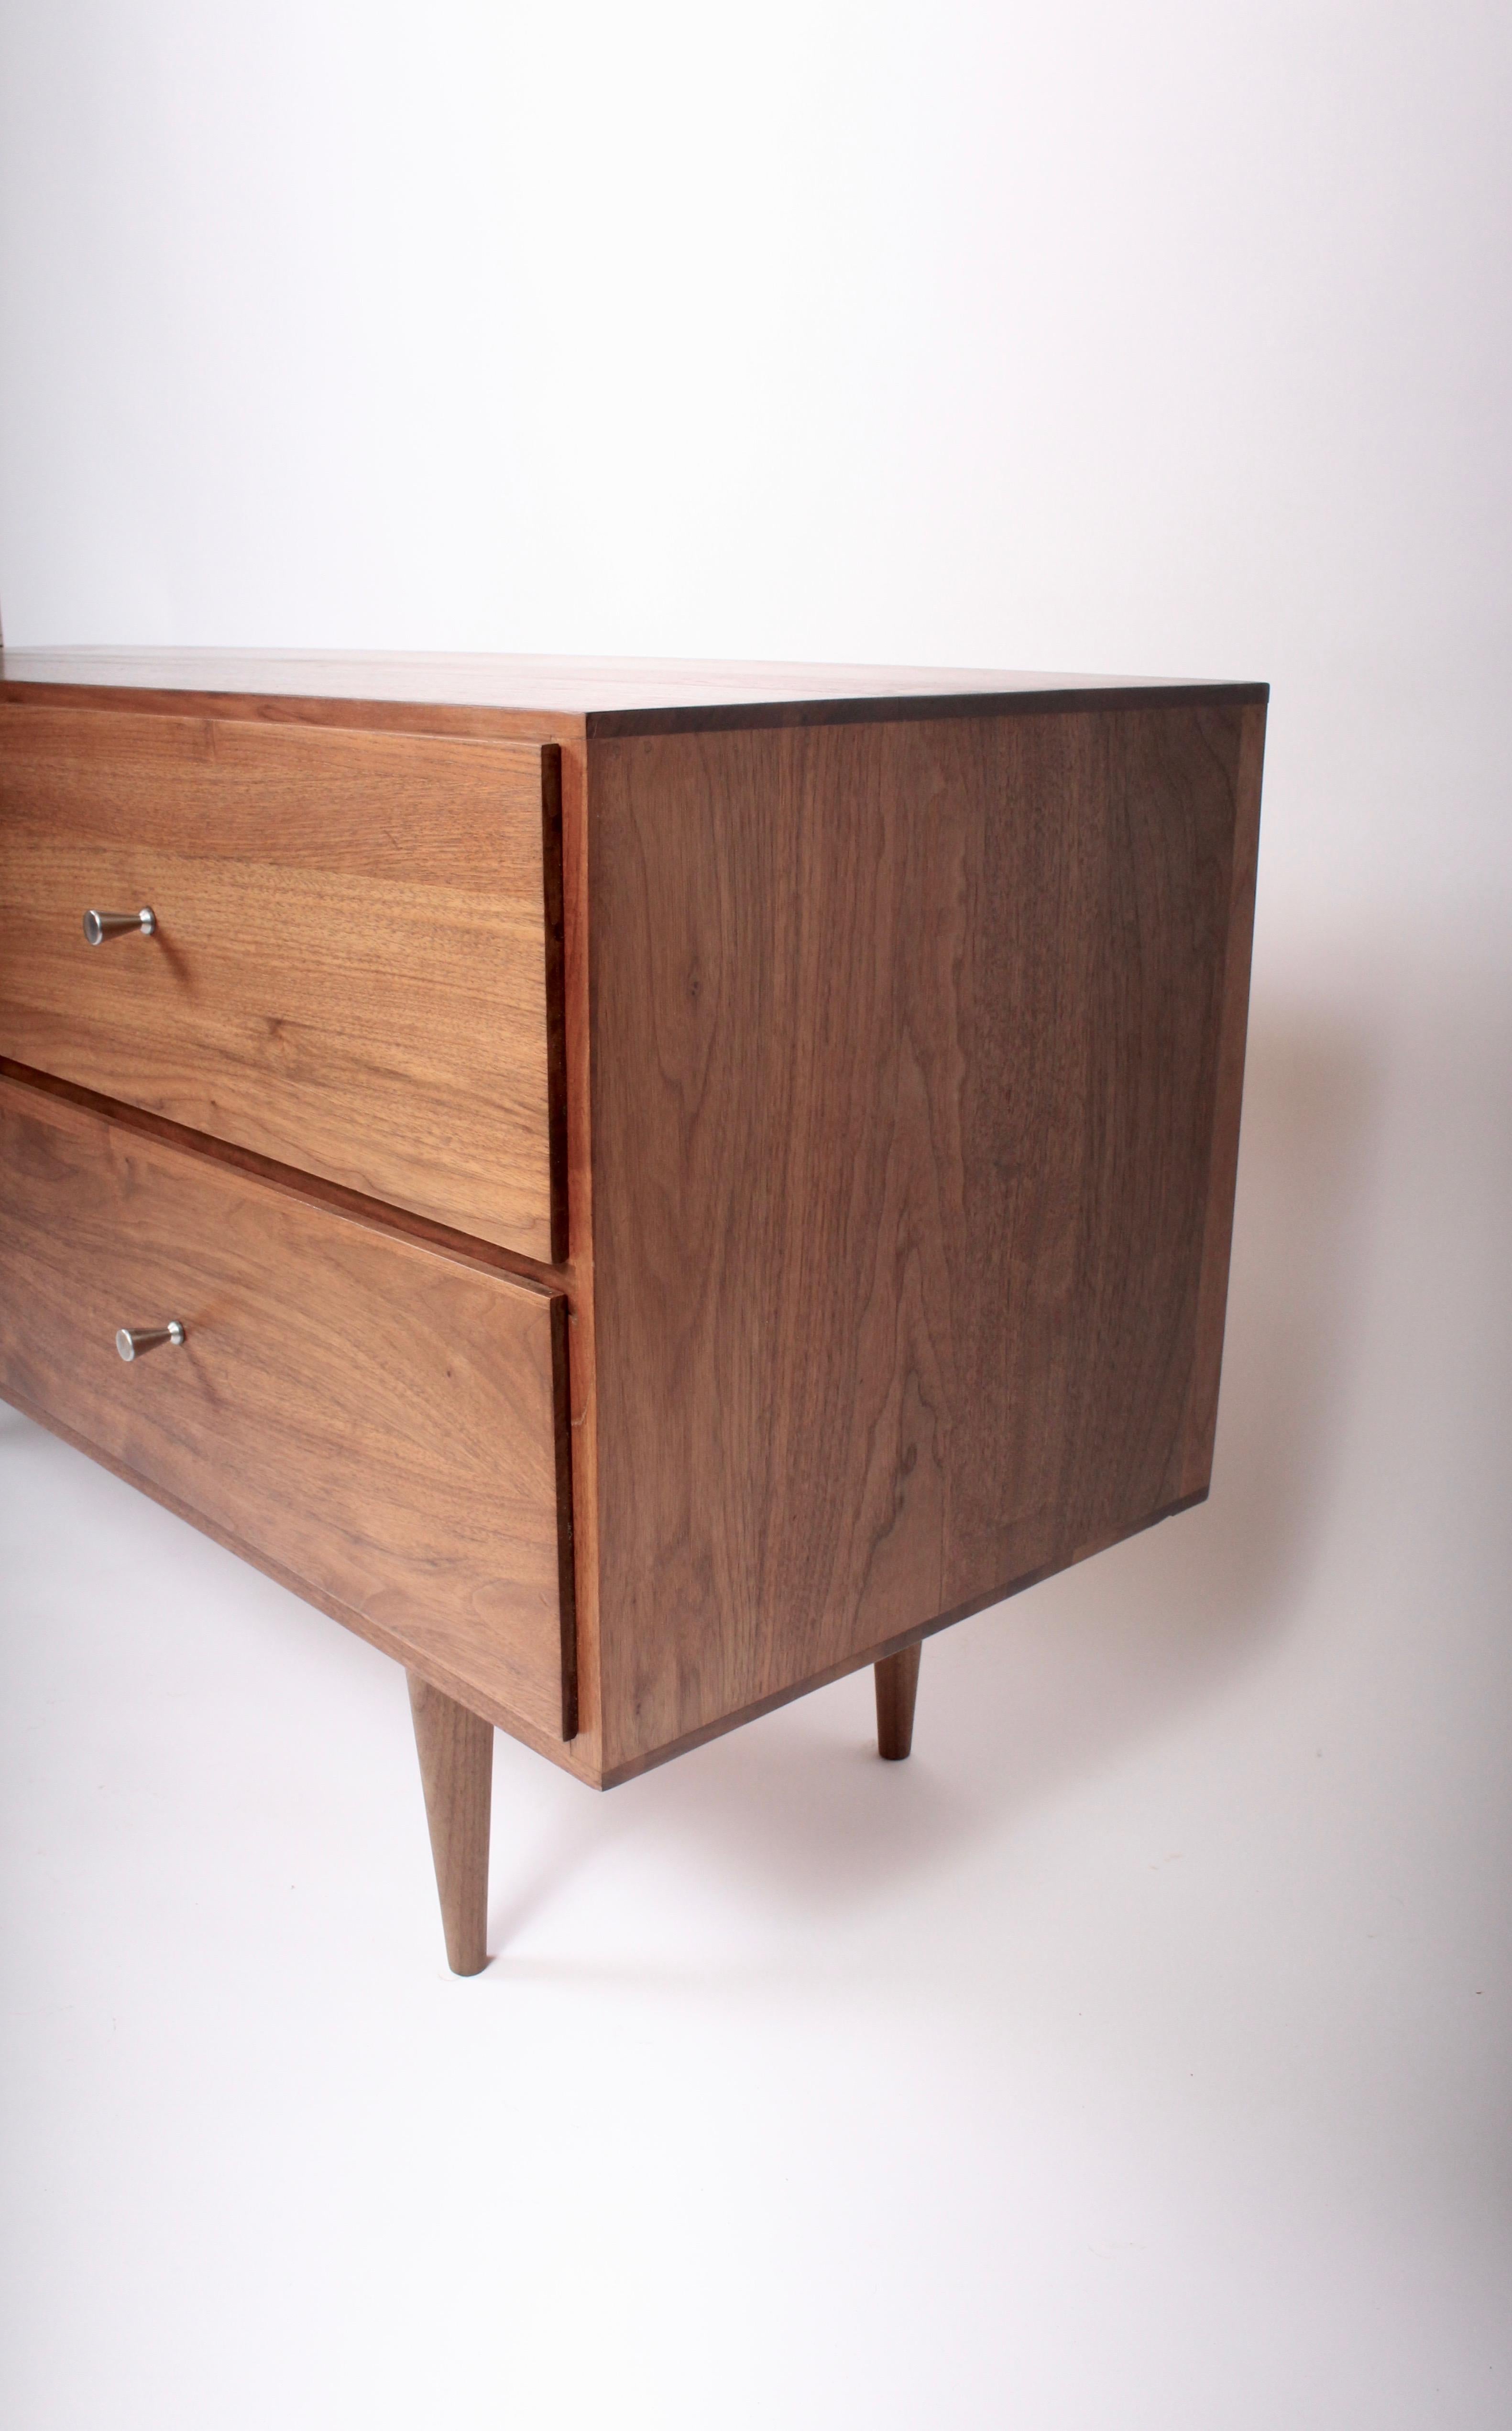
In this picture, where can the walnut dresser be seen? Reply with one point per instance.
(639, 1188)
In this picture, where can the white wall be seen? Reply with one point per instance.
(1163, 340)
(1139, 2054)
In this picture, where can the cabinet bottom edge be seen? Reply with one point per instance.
(632, 1766)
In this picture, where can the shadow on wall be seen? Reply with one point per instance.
(1023, 1698)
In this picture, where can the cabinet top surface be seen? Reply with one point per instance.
(611, 696)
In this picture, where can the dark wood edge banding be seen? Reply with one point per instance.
(530, 1272)
(698, 1739)
(1200, 1427)
(556, 1011)
(566, 1562)
(892, 709)
(450, 1683)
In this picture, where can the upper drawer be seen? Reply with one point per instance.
(356, 964)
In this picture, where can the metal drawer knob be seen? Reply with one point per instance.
(100, 925)
(150, 1337)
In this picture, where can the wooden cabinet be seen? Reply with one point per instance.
(677, 1181)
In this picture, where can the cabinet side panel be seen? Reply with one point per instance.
(906, 1047)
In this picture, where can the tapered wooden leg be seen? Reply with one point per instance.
(456, 1773)
(897, 1688)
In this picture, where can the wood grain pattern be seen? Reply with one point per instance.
(907, 1056)
(456, 1752)
(631, 1767)
(897, 1678)
(312, 1186)
(378, 1415)
(569, 1756)
(463, 721)
(358, 969)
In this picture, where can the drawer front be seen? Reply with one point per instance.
(355, 969)
(381, 1420)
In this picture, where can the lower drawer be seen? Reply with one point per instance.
(381, 1421)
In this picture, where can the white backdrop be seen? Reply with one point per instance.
(1137, 2054)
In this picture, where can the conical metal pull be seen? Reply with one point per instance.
(98, 926)
(150, 1337)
